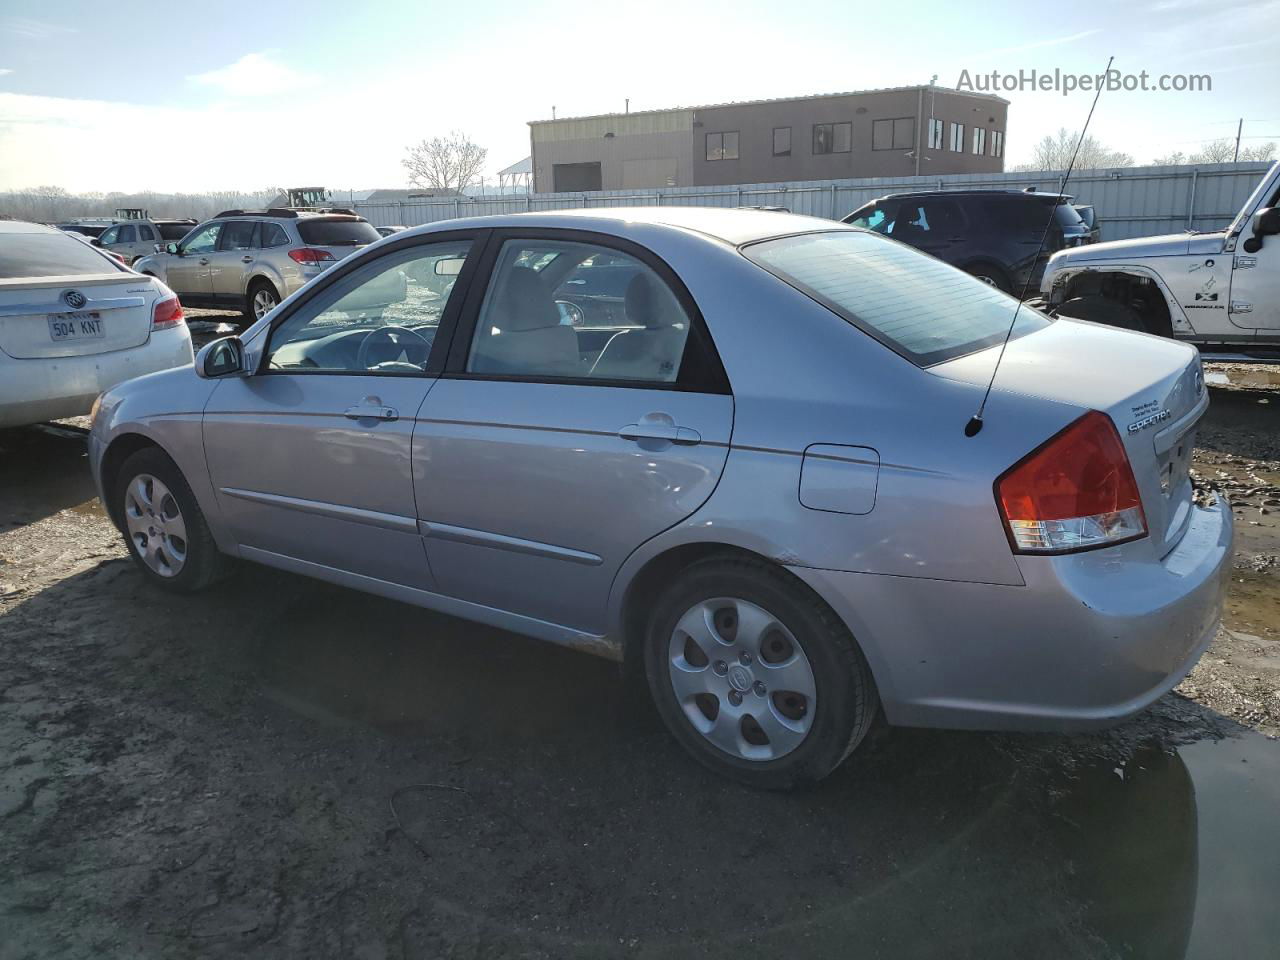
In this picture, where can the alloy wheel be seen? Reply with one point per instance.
(742, 679)
(155, 525)
(264, 301)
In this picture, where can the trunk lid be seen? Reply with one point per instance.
(1153, 390)
(45, 318)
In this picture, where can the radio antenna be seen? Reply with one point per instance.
(972, 428)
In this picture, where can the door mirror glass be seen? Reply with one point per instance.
(222, 358)
(170, 248)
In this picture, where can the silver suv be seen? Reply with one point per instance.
(135, 239)
(251, 260)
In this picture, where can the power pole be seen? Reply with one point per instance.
(1239, 130)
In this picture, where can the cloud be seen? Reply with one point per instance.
(5, 71)
(254, 74)
(32, 29)
(1038, 44)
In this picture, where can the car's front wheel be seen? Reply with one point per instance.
(261, 300)
(164, 528)
(755, 675)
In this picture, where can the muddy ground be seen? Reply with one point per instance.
(281, 768)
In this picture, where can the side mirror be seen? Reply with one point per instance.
(157, 248)
(95, 242)
(172, 248)
(1266, 222)
(222, 358)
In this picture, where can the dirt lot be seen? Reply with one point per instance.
(284, 768)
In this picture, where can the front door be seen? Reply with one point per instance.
(311, 458)
(187, 273)
(1255, 284)
(232, 260)
(546, 455)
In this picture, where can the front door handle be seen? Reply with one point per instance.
(660, 431)
(246, 259)
(371, 408)
(203, 261)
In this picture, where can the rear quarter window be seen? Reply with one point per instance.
(917, 306)
(173, 231)
(50, 255)
(336, 233)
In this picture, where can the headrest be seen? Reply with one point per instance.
(525, 302)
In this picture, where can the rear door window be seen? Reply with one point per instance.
(320, 232)
(919, 307)
(128, 234)
(49, 255)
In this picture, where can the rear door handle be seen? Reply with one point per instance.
(660, 431)
(204, 262)
(371, 408)
(246, 259)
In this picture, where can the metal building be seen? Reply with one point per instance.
(896, 132)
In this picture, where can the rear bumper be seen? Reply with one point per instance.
(1088, 641)
(32, 391)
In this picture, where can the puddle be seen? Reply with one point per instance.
(994, 846)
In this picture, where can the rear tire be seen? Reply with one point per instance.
(164, 527)
(261, 299)
(767, 648)
(1098, 309)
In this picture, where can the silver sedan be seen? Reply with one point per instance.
(745, 474)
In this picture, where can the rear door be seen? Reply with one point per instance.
(542, 465)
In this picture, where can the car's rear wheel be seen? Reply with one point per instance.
(1099, 309)
(755, 676)
(261, 299)
(164, 528)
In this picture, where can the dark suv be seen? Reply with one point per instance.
(992, 234)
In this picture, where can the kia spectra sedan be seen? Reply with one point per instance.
(752, 484)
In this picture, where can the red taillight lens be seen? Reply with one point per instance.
(117, 257)
(1074, 492)
(310, 255)
(167, 313)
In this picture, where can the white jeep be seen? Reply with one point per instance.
(1220, 291)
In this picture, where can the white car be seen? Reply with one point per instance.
(75, 322)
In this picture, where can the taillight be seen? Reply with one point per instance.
(1074, 492)
(310, 255)
(117, 257)
(166, 314)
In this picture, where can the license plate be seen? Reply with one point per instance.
(85, 325)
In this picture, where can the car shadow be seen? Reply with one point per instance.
(44, 469)
(503, 796)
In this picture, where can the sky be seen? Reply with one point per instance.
(245, 96)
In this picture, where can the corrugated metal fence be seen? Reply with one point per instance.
(1131, 202)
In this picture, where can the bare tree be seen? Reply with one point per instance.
(1054, 152)
(445, 163)
(1221, 151)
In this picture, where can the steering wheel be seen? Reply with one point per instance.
(399, 340)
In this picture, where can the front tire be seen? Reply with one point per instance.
(755, 676)
(261, 299)
(164, 527)
(1099, 309)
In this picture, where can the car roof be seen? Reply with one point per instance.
(730, 225)
(22, 226)
(976, 193)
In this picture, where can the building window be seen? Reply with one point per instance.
(957, 138)
(832, 137)
(782, 141)
(722, 146)
(979, 141)
(899, 134)
(997, 143)
(935, 134)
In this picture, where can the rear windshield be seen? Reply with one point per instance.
(1067, 215)
(49, 255)
(337, 233)
(917, 306)
(174, 231)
